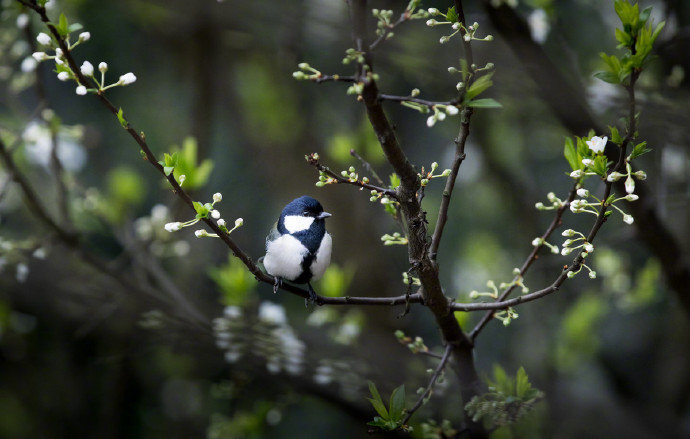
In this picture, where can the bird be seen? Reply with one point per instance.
(298, 248)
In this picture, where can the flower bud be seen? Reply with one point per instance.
(84, 36)
(239, 222)
(452, 110)
(221, 222)
(592, 274)
(536, 242)
(127, 78)
(577, 174)
(215, 214)
(217, 197)
(632, 197)
(200, 233)
(103, 67)
(629, 185)
(582, 192)
(43, 39)
(63, 76)
(628, 219)
(40, 56)
(81, 90)
(589, 248)
(86, 69)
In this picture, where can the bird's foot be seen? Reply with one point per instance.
(312, 296)
(277, 283)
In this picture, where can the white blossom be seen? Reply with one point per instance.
(40, 253)
(173, 227)
(629, 185)
(215, 214)
(589, 248)
(592, 274)
(577, 174)
(43, 38)
(587, 162)
(58, 52)
(86, 68)
(127, 78)
(631, 197)
(63, 76)
(232, 312)
(40, 56)
(221, 222)
(452, 110)
(582, 192)
(81, 90)
(217, 197)
(84, 36)
(103, 67)
(628, 219)
(272, 313)
(597, 144)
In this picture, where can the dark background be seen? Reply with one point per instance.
(81, 353)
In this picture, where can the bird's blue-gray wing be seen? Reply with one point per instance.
(273, 234)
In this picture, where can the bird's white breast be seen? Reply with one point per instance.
(297, 223)
(284, 257)
(323, 257)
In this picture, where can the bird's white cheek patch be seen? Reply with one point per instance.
(323, 257)
(296, 223)
(284, 257)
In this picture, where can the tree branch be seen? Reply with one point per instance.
(314, 161)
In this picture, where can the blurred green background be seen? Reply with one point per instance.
(86, 354)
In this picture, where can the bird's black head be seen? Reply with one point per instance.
(305, 206)
(301, 214)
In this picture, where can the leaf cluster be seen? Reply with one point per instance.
(507, 400)
(390, 418)
(637, 37)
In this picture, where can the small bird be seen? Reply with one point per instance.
(298, 249)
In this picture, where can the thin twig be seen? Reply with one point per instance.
(430, 386)
(403, 17)
(314, 161)
(368, 167)
(394, 98)
(334, 78)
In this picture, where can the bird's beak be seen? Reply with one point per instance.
(323, 215)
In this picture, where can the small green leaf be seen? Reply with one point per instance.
(522, 385)
(615, 135)
(600, 166)
(571, 155)
(121, 118)
(480, 85)
(63, 26)
(395, 181)
(609, 77)
(452, 16)
(397, 403)
(484, 103)
(377, 402)
(168, 170)
(639, 149)
(74, 27)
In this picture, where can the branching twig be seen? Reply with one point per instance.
(430, 386)
(385, 97)
(334, 78)
(314, 161)
(368, 167)
(529, 261)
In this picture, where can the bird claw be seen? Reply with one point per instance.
(312, 296)
(277, 283)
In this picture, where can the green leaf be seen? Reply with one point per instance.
(395, 180)
(63, 26)
(201, 210)
(121, 118)
(615, 135)
(452, 16)
(74, 27)
(377, 402)
(600, 166)
(639, 149)
(609, 77)
(481, 84)
(657, 30)
(168, 170)
(484, 103)
(644, 15)
(571, 155)
(397, 403)
(522, 385)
